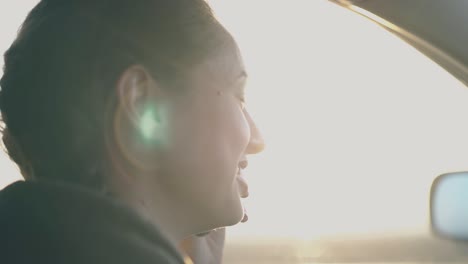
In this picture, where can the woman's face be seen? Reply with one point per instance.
(210, 135)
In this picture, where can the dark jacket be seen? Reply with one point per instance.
(58, 223)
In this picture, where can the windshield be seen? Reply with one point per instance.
(357, 122)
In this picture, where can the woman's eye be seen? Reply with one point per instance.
(242, 102)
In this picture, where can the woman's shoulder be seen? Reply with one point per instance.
(59, 223)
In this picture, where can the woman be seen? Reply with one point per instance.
(127, 121)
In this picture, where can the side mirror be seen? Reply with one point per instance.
(449, 206)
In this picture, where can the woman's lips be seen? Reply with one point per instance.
(243, 186)
(243, 191)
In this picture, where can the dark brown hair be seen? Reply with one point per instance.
(57, 91)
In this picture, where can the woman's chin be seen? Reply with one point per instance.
(230, 215)
(235, 215)
(222, 222)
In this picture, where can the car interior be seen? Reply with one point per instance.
(363, 105)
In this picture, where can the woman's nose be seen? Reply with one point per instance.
(256, 143)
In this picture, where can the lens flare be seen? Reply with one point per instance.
(149, 125)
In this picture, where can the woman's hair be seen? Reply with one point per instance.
(57, 92)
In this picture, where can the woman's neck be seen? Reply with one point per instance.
(151, 204)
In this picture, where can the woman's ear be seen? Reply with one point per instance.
(137, 120)
(133, 90)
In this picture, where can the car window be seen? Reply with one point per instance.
(357, 123)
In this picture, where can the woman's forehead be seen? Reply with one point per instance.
(223, 68)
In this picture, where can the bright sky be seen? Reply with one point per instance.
(357, 122)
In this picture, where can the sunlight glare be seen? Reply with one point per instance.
(357, 122)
